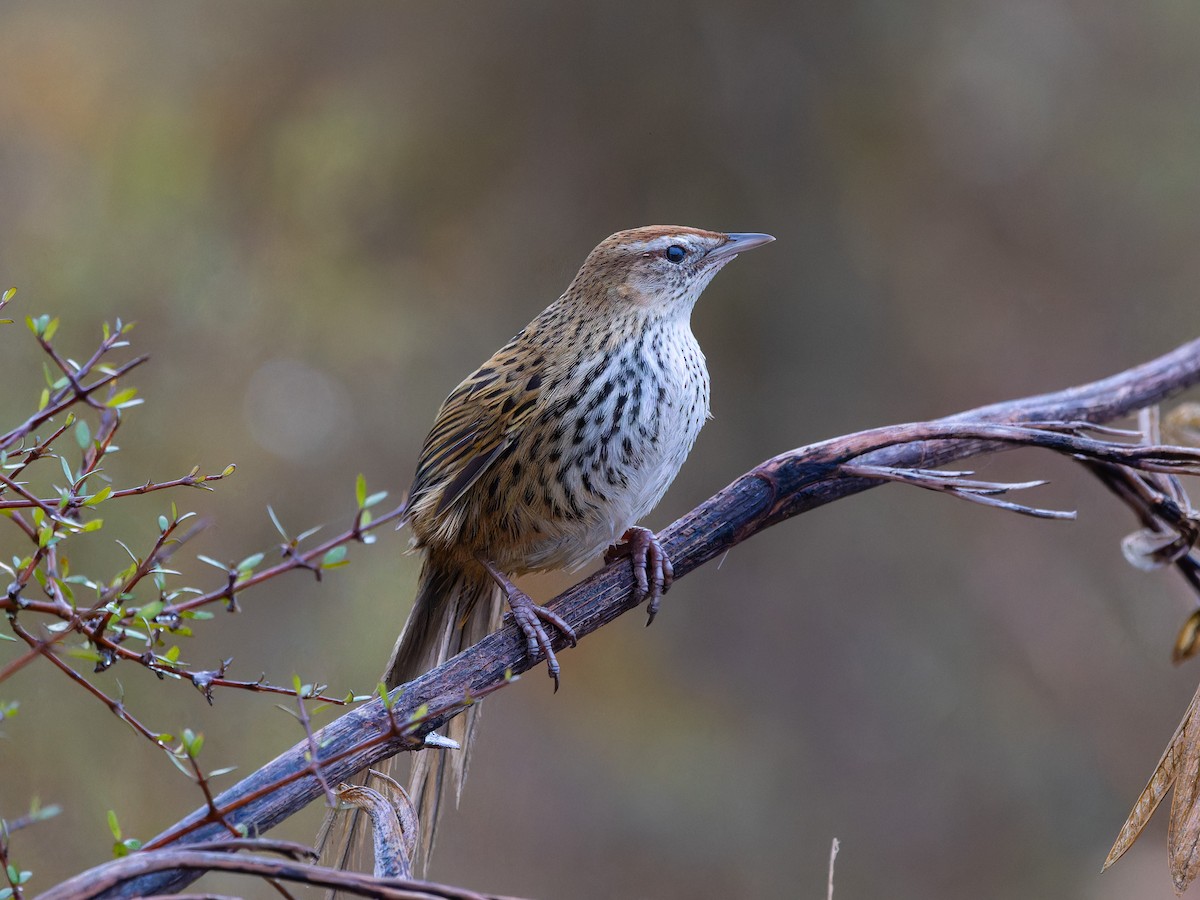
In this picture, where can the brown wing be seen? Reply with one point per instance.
(478, 421)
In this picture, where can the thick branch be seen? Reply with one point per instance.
(94, 882)
(780, 488)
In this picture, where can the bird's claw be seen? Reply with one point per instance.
(653, 573)
(529, 616)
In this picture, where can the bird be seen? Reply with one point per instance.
(547, 456)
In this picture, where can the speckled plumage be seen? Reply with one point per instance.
(549, 451)
(574, 429)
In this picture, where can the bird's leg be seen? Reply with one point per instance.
(529, 616)
(652, 569)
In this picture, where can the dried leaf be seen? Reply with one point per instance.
(1149, 549)
(1187, 642)
(1153, 793)
(1178, 767)
(1183, 832)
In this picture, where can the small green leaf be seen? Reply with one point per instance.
(163, 524)
(360, 490)
(45, 536)
(150, 610)
(40, 813)
(377, 497)
(50, 329)
(93, 525)
(178, 761)
(305, 535)
(278, 526)
(83, 434)
(228, 470)
(192, 742)
(99, 497)
(121, 398)
(44, 400)
(212, 562)
(247, 565)
(334, 558)
(113, 825)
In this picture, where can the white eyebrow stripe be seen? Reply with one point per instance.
(663, 241)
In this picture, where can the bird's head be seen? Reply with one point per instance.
(660, 268)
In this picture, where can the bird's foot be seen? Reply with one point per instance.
(652, 569)
(529, 616)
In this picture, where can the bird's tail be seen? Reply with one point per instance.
(456, 607)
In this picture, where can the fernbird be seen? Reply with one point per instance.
(550, 452)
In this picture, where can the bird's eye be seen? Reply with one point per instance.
(675, 253)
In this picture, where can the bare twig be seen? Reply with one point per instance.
(14, 885)
(957, 485)
(201, 781)
(314, 751)
(190, 480)
(37, 451)
(28, 500)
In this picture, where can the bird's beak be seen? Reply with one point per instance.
(738, 243)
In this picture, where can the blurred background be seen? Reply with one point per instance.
(323, 216)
